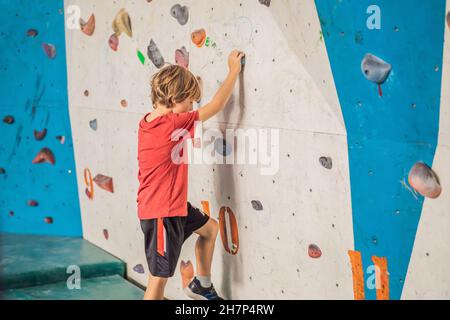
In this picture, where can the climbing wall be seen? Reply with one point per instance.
(356, 106)
(38, 192)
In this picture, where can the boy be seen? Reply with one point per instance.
(167, 219)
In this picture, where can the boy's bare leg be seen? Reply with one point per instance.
(204, 247)
(155, 288)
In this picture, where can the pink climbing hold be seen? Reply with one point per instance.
(48, 220)
(40, 135)
(182, 57)
(32, 203)
(113, 42)
(424, 180)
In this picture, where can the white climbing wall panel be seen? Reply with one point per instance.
(286, 85)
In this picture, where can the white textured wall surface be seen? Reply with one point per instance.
(287, 84)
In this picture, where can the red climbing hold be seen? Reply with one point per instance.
(45, 155)
(49, 50)
(104, 182)
(39, 135)
(32, 203)
(314, 251)
(32, 33)
(48, 220)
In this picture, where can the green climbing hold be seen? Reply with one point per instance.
(141, 57)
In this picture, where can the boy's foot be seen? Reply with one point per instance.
(195, 291)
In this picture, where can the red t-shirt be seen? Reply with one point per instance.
(163, 183)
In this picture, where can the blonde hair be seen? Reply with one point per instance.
(174, 84)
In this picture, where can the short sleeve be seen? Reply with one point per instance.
(186, 121)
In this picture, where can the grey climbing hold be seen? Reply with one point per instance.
(326, 162)
(139, 268)
(154, 55)
(181, 13)
(257, 205)
(222, 147)
(93, 124)
(265, 2)
(375, 69)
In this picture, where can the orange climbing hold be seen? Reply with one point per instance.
(88, 27)
(89, 184)
(358, 275)
(199, 37)
(382, 278)
(205, 206)
(224, 214)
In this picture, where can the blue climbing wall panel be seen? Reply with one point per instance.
(34, 92)
(387, 133)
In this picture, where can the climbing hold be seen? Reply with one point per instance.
(181, 13)
(49, 49)
(424, 180)
(32, 33)
(2, 171)
(326, 162)
(257, 205)
(86, 93)
(182, 57)
(265, 2)
(222, 147)
(187, 273)
(124, 103)
(93, 124)
(448, 19)
(139, 268)
(11, 213)
(113, 42)
(61, 139)
(122, 23)
(88, 27)
(141, 57)
(154, 55)
(45, 155)
(314, 251)
(106, 234)
(8, 119)
(48, 220)
(375, 70)
(39, 135)
(89, 184)
(32, 203)
(233, 247)
(199, 37)
(104, 182)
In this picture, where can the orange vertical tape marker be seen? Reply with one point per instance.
(205, 206)
(89, 183)
(160, 236)
(232, 248)
(358, 275)
(382, 279)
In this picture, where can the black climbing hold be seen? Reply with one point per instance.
(181, 13)
(265, 2)
(2, 171)
(222, 147)
(257, 205)
(326, 162)
(93, 124)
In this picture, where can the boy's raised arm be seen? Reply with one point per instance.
(223, 94)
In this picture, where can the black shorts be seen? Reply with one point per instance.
(163, 240)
